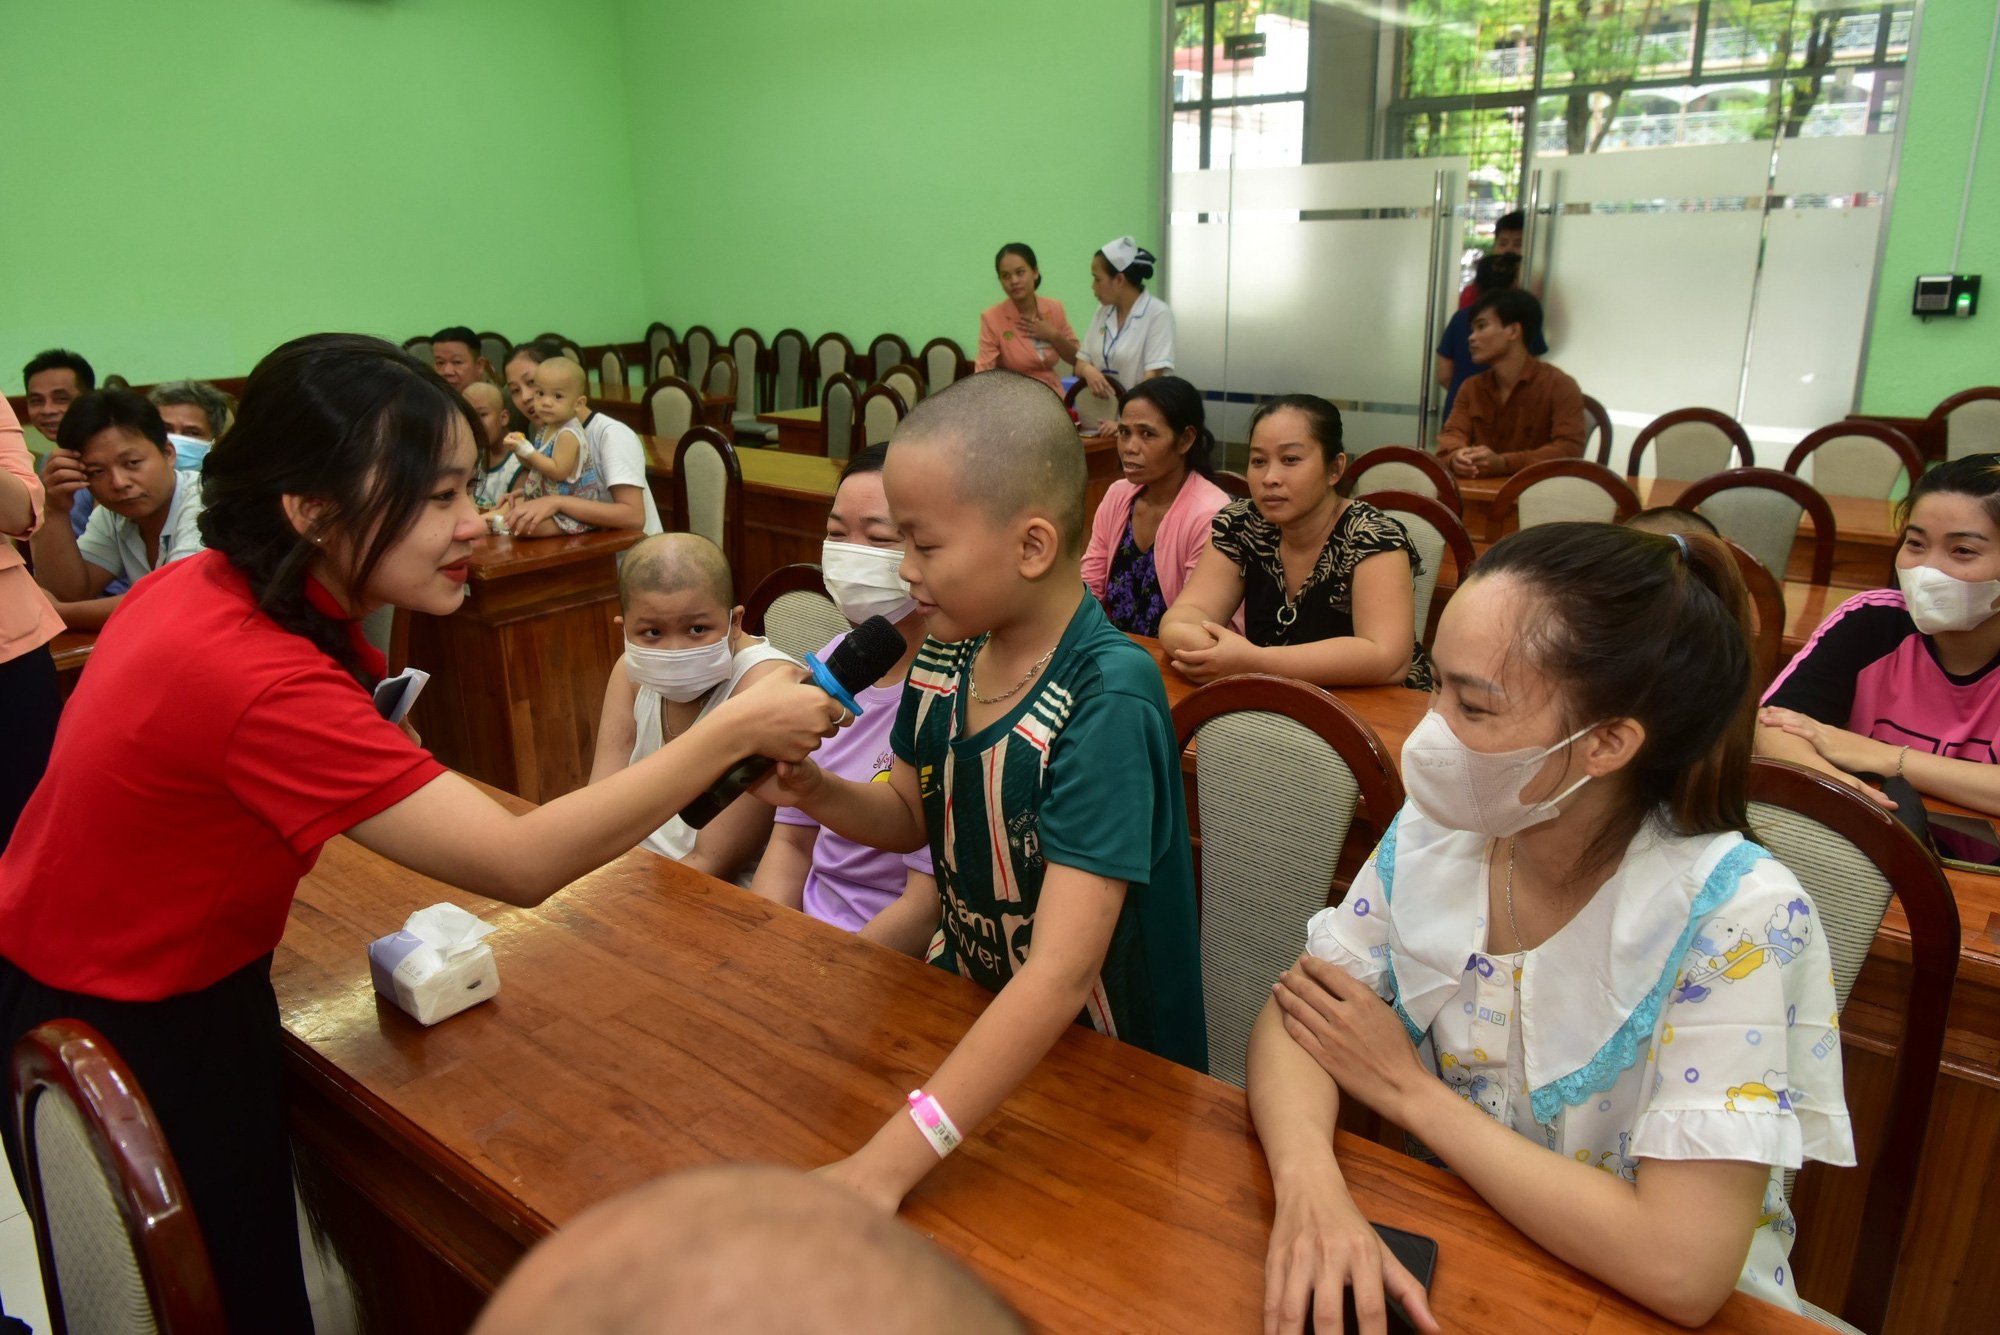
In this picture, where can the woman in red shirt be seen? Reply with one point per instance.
(225, 730)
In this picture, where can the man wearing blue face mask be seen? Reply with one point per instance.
(685, 653)
(1901, 682)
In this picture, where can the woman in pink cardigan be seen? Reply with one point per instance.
(1153, 525)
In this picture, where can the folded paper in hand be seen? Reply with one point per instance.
(438, 965)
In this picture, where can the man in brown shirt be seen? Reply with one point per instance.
(1520, 410)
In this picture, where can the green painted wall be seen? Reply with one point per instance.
(194, 181)
(854, 167)
(1911, 365)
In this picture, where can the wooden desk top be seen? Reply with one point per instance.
(651, 1019)
(71, 649)
(495, 557)
(800, 415)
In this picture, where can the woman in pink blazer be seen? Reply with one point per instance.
(1026, 332)
(1153, 525)
(28, 698)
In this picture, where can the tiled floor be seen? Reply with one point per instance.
(20, 1272)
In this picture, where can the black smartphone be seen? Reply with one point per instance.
(1419, 1256)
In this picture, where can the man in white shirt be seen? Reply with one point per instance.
(114, 443)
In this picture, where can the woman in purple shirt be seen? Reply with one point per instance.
(832, 878)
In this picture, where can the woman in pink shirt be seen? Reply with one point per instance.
(1026, 332)
(27, 624)
(1154, 523)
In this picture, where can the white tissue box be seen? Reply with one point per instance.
(437, 965)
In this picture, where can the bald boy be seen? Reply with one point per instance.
(1035, 753)
(498, 467)
(755, 1250)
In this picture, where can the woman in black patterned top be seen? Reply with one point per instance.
(1325, 583)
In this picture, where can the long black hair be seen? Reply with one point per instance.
(1180, 404)
(345, 419)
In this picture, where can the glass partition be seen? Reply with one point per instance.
(1703, 183)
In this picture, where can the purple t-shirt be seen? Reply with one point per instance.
(850, 883)
(1869, 670)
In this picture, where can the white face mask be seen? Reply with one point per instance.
(863, 581)
(1943, 602)
(1477, 791)
(680, 675)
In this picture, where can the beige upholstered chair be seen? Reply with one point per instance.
(1690, 443)
(697, 348)
(420, 348)
(1968, 422)
(666, 364)
(886, 351)
(1400, 468)
(791, 609)
(611, 382)
(674, 407)
(1437, 534)
(789, 356)
(571, 348)
(1556, 490)
(708, 490)
(1597, 440)
(837, 404)
(1091, 411)
(1857, 458)
(1281, 769)
(832, 355)
(879, 409)
(943, 361)
(722, 378)
(122, 1252)
(1759, 510)
(906, 380)
(1852, 857)
(659, 339)
(752, 387)
(494, 348)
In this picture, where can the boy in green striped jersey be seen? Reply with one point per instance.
(1035, 752)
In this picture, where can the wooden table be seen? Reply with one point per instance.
(520, 668)
(800, 430)
(651, 1019)
(1865, 528)
(71, 650)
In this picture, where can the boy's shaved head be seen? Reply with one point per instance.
(1015, 447)
(483, 394)
(673, 563)
(562, 373)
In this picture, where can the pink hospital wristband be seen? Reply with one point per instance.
(934, 1122)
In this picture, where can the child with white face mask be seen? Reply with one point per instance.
(1901, 682)
(806, 866)
(685, 653)
(1565, 969)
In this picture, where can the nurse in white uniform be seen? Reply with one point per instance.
(1131, 337)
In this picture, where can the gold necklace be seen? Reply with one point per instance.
(1520, 946)
(1015, 689)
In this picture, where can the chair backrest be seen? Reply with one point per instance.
(1436, 533)
(791, 608)
(943, 361)
(1767, 604)
(722, 377)
(120, 1246)
(1691, 443)
(878, 411)
(1759, 509)
(708, 490)
(1400, 468)
(752, 377)
(611, 371)
(1561, 489)
(1968, 422)
(673, 405)
(1234, 484)
(886, 351)
(1091, 411)
(1857, 458)
(494, 348)
(906, 380)
(788, 374)
(1598, 424)
(660, 338)
(832, 355)
(666, 362)
(420, 348)
(836, 414)
(571, 348)
(1851, 856)
(697, 346)
(1280, 770)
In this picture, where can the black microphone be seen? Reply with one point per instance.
(859, 661)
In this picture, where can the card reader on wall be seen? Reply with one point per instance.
(1948, 294)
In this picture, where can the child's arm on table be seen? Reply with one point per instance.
(1073, 924)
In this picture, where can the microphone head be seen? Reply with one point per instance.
(869, 650)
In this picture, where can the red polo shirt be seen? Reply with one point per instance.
(205, 757)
